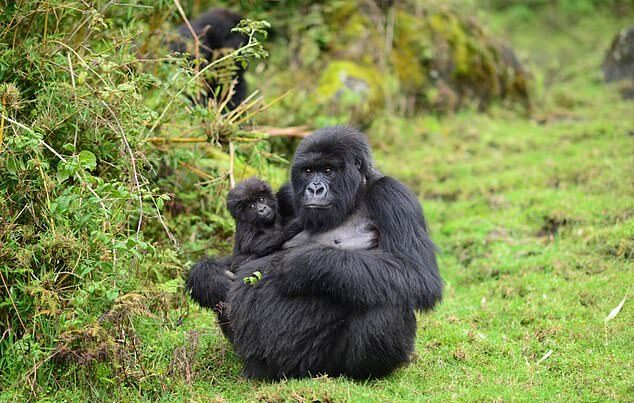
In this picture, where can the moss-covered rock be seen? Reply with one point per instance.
(441, 58)
(348, 87)
(619, 60)
(441, 52)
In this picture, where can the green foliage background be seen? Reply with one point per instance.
(112, 183)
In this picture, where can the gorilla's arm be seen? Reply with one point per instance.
(270, 241)
(284, 198)
(401, 271)
(209, 280)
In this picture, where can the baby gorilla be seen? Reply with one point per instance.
(258, 222)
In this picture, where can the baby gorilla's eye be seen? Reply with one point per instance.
(328, 170)
(308, 170)
(261, 199)
(252, 206)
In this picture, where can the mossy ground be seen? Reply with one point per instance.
(534, 219)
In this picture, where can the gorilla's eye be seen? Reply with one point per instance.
(328, 170)
(261, 199)
(252, 206)
(308, 171)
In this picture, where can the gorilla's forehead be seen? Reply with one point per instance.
(340, 142)
(318, 159)
(250, 189)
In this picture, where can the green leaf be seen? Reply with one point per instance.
(87, 160)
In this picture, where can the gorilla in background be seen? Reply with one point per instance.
(213, 30)
(324, 310)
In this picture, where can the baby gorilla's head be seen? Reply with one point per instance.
(252, 201)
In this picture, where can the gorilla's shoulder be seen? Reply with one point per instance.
(389, 190)
(394, 206)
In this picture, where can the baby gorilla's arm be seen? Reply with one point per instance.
(357, 233)
(270, 241)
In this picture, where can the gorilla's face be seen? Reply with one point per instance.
(328, 177)
(252, 202)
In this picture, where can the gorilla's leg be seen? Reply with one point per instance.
(208, 283)
(377, 343)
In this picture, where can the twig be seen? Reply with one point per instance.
(197, 171)
(72, 80)
(6, 287)
(133, 161)
(269, 131)
(33, 371)
(191, 30)
(293, 131)
(548, 354)
(194, 78)
(161, 140)
(616, 310)
(232, 155)
(261, 109)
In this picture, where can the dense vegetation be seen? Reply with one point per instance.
(112, 183)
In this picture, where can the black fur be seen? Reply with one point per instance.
(256, 235)
(213, 30)
(208, 284)
(319, 309)
(258, 232)
(284, 198)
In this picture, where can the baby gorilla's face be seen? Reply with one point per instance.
(261, 209)
(253, 202)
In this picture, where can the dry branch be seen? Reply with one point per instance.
(268, 131)
(293, 131)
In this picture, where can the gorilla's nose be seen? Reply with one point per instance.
(316, 189)
(264, 209)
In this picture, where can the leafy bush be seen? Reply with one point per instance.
(90, 234)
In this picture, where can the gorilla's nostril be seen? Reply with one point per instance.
(316, 190)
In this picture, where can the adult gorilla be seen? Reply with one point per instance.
(320, 309)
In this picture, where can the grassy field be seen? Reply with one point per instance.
(534, 220)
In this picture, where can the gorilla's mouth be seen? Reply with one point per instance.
(317, 206)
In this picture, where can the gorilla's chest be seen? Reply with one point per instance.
(357, 232)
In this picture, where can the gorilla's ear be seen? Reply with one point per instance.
(358, 163)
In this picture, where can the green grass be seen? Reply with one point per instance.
(534, 219)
